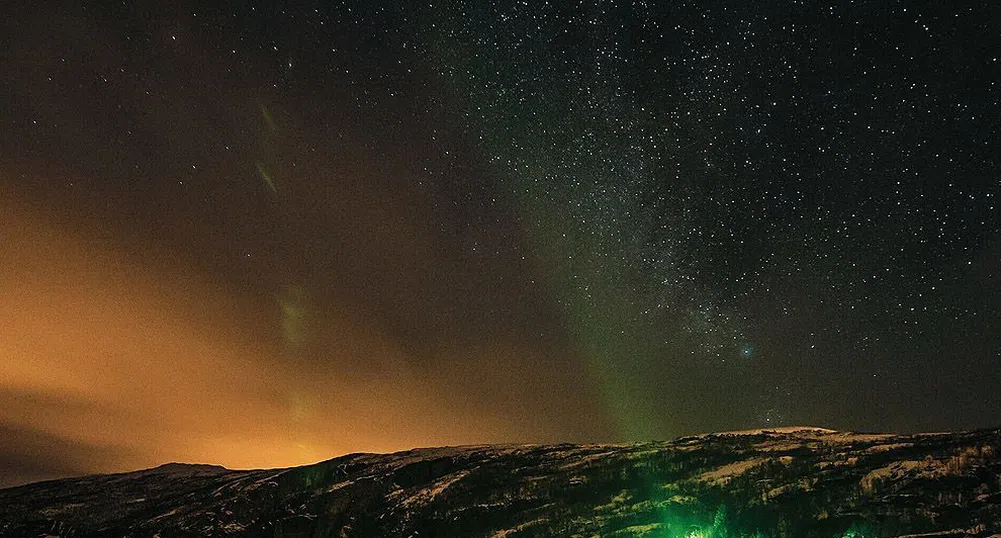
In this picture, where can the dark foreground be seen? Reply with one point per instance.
(808, 483)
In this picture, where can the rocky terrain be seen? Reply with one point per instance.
(791, 482)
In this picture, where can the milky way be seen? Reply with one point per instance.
(815, 184)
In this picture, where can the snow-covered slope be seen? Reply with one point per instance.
(793, 482)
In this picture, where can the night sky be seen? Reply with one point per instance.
(266, 235)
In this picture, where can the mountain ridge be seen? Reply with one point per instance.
(777, 482)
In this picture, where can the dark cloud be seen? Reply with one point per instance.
(29, 454)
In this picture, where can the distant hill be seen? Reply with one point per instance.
(792, 482)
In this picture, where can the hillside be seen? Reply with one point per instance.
(780, 483)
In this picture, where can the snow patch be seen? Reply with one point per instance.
(927, 468)
(766, 431)
(722, 475)
(428, 494)
(887, 447)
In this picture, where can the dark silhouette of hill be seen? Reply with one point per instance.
(793, 482)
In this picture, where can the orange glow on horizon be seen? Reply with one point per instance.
(101, 350)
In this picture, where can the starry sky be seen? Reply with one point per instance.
(266, 234)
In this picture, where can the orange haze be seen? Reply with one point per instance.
(133, 361)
